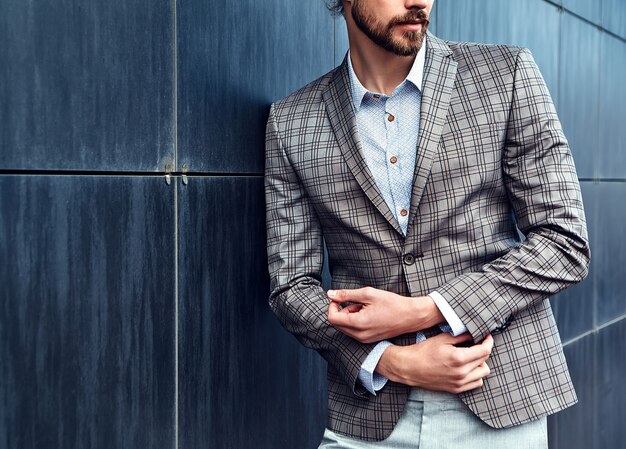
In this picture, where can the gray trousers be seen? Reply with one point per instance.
(437, 420)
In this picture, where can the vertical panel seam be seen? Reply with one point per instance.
(176, 222)
(175, 83)
(176, 299)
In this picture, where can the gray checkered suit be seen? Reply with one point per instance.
(491, 152)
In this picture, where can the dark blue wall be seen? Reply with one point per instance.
(132, 252)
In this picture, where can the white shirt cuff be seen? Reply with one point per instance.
(449, 314)
(371, 380)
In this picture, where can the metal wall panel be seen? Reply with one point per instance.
(244, 381)
(591, 11)
(234, 59)
(614, 16)
(86, 85)
(341, 40)
(574, 308)
(609, 251)
(579, 88)
(87, 318)
(612, 143)
(534, 24)
(610, 387)
(573, 428)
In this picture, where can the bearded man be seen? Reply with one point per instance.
(440, 180)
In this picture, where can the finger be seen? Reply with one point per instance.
(470, 386)
(450, 339)
(474, 355)
(352, 308)
(480, 372)
(335, 317)
(488, 342)
(338, 318)
(347, 295)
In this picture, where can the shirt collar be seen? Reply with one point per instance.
(415, 76)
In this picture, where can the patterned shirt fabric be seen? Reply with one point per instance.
(388, 128)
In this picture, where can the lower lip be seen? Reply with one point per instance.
(410, 26)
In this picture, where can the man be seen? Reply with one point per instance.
(440, 180)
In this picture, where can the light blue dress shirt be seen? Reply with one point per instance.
(388, 128)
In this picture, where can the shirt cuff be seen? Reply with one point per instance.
(449, 314)
(371, 380)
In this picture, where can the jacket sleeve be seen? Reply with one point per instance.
(295, 256)
(543, 190)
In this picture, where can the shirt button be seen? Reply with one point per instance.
(403, 212)
(391, 118)
(393, 159)
(408, 259)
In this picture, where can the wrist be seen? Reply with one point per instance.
(427, 314)
(435, 315)
(387, 364)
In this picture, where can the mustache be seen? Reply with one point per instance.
(417, 15)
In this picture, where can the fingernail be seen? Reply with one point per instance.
(332, 293)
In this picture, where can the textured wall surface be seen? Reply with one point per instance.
(133, 312)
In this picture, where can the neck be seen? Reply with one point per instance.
(376, 68)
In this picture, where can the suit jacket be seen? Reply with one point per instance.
(491, 160)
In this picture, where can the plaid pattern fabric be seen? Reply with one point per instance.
(490, 151)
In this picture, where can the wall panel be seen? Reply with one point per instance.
(341, 40)
(609, 251)
(610, 387)
(574, 428)
(498, 22)
(591, 11)
(614, 16)
(234, 59)
(87, 312)
(244, 381)
(612, 141)
(86, 85)
(579, 88)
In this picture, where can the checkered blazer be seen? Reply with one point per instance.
(491, 155)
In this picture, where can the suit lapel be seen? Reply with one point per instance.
(338, 100)
(437, 87)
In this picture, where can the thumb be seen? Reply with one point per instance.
(347, 295)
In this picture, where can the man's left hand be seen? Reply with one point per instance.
(376, 315)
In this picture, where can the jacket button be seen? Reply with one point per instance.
(408, 259)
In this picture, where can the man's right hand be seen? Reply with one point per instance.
(436, 364)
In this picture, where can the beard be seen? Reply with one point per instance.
(381, 34)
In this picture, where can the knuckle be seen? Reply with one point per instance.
(458, 375)
(455, 358)
(457, 389)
